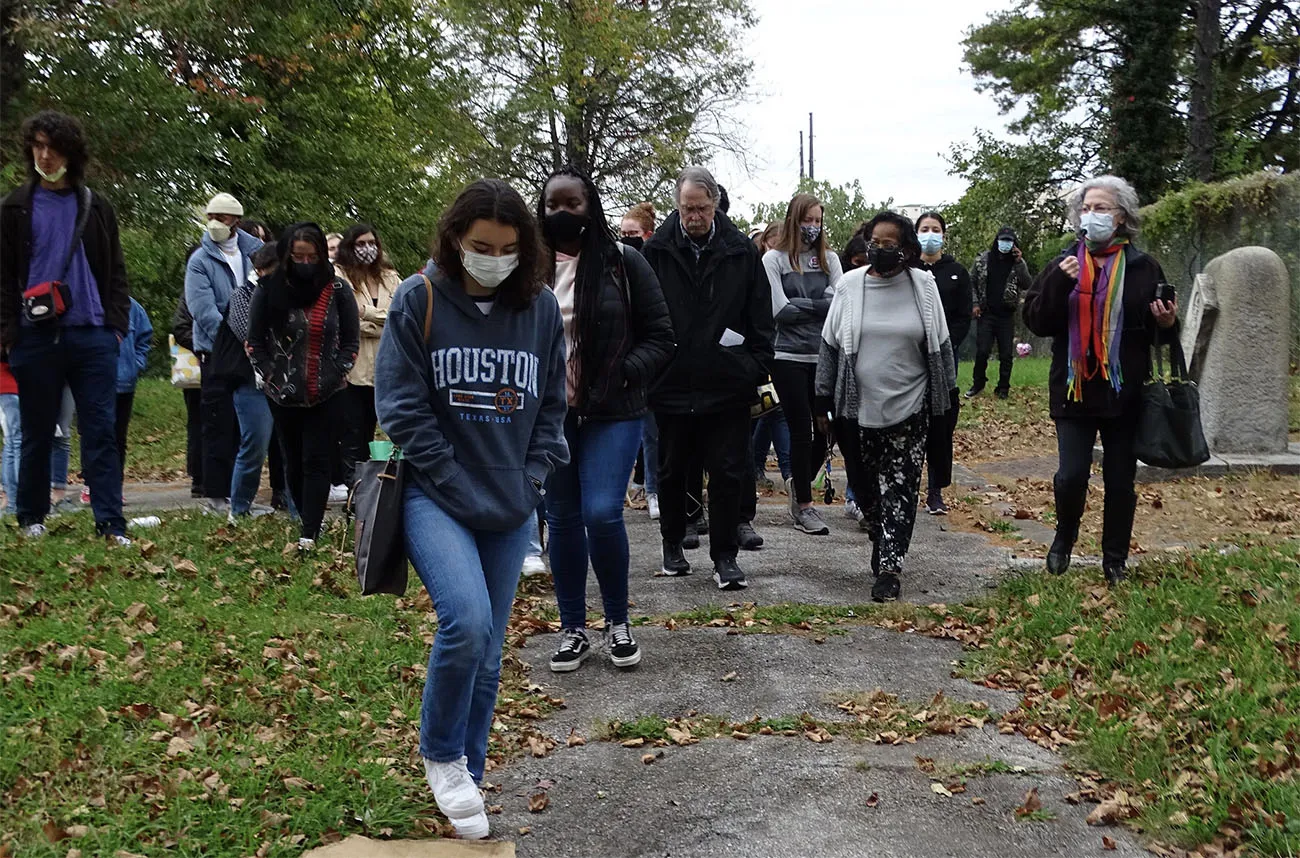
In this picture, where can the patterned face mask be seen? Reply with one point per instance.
(810, 234)
(367, 253)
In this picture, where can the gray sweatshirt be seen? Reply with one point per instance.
(891, 367)
(478, 410)
(800, 301)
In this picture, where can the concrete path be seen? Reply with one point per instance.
(785, 796)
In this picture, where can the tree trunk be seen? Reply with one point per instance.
(1200, 130)
(13, 62)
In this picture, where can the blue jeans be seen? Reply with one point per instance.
(471, 577)
(255, 427)
(84, 358)
(584, 511)
(11, 426)
(535, 534)
(650, 449)
(771, 429)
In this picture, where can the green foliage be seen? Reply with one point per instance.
(628, 92)
(845, 209)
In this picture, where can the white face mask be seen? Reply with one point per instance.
(51, 177)
(218, 230)
(488, 271)
(1097, 226)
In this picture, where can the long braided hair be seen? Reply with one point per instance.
(599, 246)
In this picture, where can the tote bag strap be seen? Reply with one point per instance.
(428, 307)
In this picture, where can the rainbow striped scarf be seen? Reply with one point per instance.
(1097, 318)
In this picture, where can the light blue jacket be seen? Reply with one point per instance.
(133, 353)
(209, 283)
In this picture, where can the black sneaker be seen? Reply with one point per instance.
(974, 392)
(691, 540)
(1114, 574)
(701, 523)
(934, 504)
(196, 491)
(675, 562)
(573, 651)
(623, 650)
(747, 538)
(277, 501)
(886, 588)
(1002, 393)
(728, 575)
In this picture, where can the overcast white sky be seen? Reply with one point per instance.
(885, 82)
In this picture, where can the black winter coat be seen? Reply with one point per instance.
(634, 340)
(103, 253)
(1047, 308)
(309, 360)
(955, 292)
(183, 324)
(726, 288)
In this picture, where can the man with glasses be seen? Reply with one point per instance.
(720, 303)
(998, 278)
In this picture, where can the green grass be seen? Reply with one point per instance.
(174, 691)
(1183, 686)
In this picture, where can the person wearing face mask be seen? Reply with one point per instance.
(886, 371)
(473, 390)
(721, 309)
(635, 230)
(802, 275)
(332, 242)
(362, 262)
(619, 339)
(303, 338)
(68, 337)
(221, 265)
(955, 291)
(998, 279)
(1102, 302)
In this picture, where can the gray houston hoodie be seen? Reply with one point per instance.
(478, 410)
(800, 301)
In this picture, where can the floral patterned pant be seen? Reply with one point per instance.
(885, 473)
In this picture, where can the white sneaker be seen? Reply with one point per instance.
(119, 540)
(34, 531)
(653, 502)
(258, 510)
(534, 565)
(338, 494)
(851, 510)
(305, 544)
(455, 792)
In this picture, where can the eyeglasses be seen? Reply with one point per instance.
(1100, 208)
(874, 245)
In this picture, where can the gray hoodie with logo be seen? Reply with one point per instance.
(478, 410)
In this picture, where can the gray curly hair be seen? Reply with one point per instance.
(1126, 198)
(697, 176)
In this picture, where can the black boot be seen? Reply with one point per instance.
(1069, 510)
(1114, 574)
(1116, 533)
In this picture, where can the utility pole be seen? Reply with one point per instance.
(812, 174)
(801, 156)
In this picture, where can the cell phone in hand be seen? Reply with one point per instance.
(1163, 291)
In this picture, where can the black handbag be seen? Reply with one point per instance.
(376, 501)
(1169, 428)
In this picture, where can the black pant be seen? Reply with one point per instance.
(193, 436)
(722, 441)
(794, 385)
(999, 325)
(220, 433)
(358, 427)
(938, 446)
(275, 462)
(1075, 437)
(308, 436)
(121, 423)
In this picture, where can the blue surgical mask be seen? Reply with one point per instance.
(930, 241)
(1097, 226)
(1005, 245)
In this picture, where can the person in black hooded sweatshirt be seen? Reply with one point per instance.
(303, 337)
(955, 293)
(999, 278)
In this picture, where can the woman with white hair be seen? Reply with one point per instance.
(1102, 302)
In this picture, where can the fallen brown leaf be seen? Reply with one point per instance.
(1109, 844)
(647, 758)
(873, 800)
(1032, 803)
(574, 739)
(538, 802)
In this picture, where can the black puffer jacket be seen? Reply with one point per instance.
(953, 281)
(634, 337)
(1047, 314)
(726, 288)
(183, 324)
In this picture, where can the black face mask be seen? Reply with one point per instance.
(302, 272)
(885, 260)
(635, 242)
(564, 227)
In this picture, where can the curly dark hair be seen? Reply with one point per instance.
(493, 199)
(64, 134)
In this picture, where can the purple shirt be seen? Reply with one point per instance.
(54, 217)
